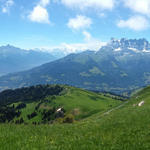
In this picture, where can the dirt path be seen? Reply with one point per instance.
(109, 111)
(115, 108)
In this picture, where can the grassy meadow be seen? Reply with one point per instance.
(125, 128)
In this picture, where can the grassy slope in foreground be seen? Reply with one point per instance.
(126, 128)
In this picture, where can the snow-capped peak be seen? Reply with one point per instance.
(133, 45)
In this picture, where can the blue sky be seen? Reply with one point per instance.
(74, 24)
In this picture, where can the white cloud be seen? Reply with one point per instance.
(44, 3)
(87, 35)
(7, 5)
(80, 22)
(85, 4)
(78, 47)
(139, 6)
(39, 14)
(68, 48)
(135, 23)
(89, 43)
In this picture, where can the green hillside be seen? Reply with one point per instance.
(126, 127)
(52, 103)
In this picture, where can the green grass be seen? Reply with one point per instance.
(125, 128)
(80, 103)
(86, 102)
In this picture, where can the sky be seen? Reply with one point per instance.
(72, 24)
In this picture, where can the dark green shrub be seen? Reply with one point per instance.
(68, 119)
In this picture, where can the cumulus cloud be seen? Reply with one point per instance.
(44, 3)
(135, 23)
(8, 4)
(39, 13)
(85, 4)
(139, 6)
(80, 22)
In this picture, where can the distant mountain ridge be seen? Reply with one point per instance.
(13, 59)
(121, 66)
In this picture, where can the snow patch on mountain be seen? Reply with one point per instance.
(146, 51)
(118, 49)
(134, 49)
(129, 45)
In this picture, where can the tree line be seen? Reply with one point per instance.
(29, 94)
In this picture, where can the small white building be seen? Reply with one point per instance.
(59, 110)
(141, 103)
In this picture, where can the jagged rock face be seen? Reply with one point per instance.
(133, 44)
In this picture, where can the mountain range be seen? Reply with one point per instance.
(119, 67)
(13, 59)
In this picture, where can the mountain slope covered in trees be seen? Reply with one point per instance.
(52, 103)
